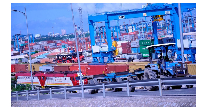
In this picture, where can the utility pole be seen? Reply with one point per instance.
(28, 44)
(29, 51)
(77, 53)
(181, 33)
(81, 21)
(81, 28)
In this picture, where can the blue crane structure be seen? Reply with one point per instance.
(152, 10)
(17, 43)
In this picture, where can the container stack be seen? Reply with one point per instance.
(126, 48)
(135, 47)
(143, 44)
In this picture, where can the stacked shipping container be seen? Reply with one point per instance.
(135, 47)
(143, 44)
(126, 48)
(19, 67)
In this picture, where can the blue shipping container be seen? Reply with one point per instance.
(138, 49)
(134, 50)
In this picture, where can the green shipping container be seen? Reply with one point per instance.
(144, 49)
(146, 42)
(145, 54)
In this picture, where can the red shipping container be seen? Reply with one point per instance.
(121, 68)
(21, 67)
(76, 68)
(124, 44)
(61, 68)
(118, 68)
(124, 51)
(111, 68)
(58, 44)
(50, 41)
(12, 68)
(129, 51)
(97, 69)
(76, 64)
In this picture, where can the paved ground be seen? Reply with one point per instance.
(132, 101)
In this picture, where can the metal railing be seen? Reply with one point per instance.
(152, 82)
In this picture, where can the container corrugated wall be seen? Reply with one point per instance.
(46, 68)
(64, 64)
(192, 69)
(134, 50)
(117, 68)
(20, 67)
(36, 66)
(133, 67)
(61, 68)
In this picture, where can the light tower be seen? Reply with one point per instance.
(81, 21)
(80, 74)
(81, 28)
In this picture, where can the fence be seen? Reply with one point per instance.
(152, 82)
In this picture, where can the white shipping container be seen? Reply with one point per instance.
(119, 50)
(186, 43)
(193, 44)
(126, 39)
(134, 43)
(126, 36)
(14, 61)
(25, 60)
(95, 49)
(119, 43)
(53, 44)
(46, 68)
(36, 46)
(104, 48)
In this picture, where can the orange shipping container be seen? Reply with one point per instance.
(76, 68)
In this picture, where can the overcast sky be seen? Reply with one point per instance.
(43, 16)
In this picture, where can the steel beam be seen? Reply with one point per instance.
(91, 28)
(154, 24)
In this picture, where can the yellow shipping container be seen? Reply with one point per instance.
(136, 66)
(114, 63)
(36, 66)
(192, 69)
